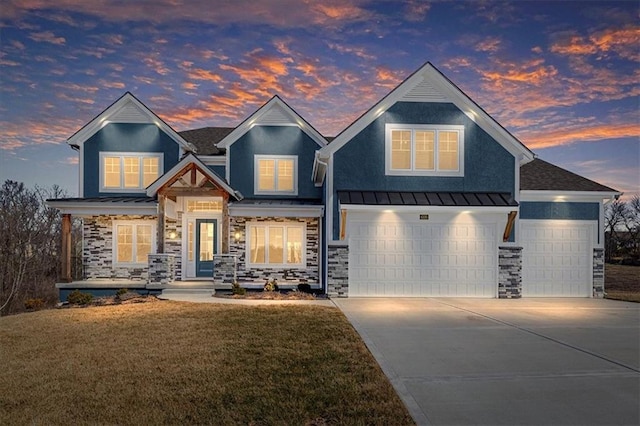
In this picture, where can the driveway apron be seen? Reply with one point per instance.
(522, 361)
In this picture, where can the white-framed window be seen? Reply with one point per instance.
(276, 174)
(424, 150)
(276, 244)
(132, 241)
(129, 171)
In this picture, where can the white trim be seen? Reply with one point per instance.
(185, 271)
(389, 127)
(213, 160)
(114, 241)
(565, 196)
(439, 82)
(122, 155)
(104, 208)
(286, 226)
(125, 101)
(276, 158)
(189, 159)
(81, 171)
(276, 210)
(258, 118)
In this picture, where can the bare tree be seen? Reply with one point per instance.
(29, 244)
(632, 225)
(614, 220)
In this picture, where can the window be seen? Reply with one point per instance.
(133, 241)
(276, 174)
(424, 150)
(128, 172)
(276, 244)
(212, 205)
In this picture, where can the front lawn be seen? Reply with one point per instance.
(622, 282)
(180, 363)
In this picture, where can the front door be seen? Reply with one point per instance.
(206, 234)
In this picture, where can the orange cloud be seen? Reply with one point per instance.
(47, 37)
(623, 41)
(201, 74)
(490, 44)
(567, 136)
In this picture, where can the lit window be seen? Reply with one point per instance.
(133, 241)
(276, 244)
(425, 150)
(276, 175)
(128, 172)
(213, 205)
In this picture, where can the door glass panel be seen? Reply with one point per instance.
(276, 246)
(206, 241)
(190, 241)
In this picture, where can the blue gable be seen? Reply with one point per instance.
(124, 137)
(272, 140)
(360, 164)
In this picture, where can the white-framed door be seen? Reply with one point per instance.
(201, 237)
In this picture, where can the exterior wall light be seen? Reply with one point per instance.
(237, 236)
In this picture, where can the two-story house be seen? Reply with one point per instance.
(425, 194)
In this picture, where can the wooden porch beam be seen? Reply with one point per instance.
(507, 229)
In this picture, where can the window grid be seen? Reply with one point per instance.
(275, 175)
(276, 245)
(126, 171)
(133, 242)
(425, 150)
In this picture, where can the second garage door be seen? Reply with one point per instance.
(393, 254)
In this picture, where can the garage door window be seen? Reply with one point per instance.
(424, 150)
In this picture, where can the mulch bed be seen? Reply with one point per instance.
(271, 295)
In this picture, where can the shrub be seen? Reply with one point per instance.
(236, 289)
(271, 285)
(76, 297)
(121, 291)
(34, 304)
(305, 288)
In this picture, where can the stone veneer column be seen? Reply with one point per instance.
(162, 270)
(225, 268)
(509, 272)
(338, 271)
(598, 273)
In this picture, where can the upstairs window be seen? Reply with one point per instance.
(276, 174)
(128, 172)
(424, 150)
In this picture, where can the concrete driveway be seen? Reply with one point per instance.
(524, 361)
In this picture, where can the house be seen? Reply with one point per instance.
(424, 194)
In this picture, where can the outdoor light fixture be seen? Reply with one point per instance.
(172, 235)
(237, 236)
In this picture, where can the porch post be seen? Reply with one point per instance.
(161, 202)
(66, 248)
(225, 222)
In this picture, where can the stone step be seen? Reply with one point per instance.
(187, 291)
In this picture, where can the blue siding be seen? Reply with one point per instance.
(124, 137)
(360, 164)
(559, 210)
(272, 140)
(219, 170)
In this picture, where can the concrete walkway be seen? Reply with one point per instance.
(489, 361)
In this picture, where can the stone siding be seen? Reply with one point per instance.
(162, 269)
(309, 274)
(224, 268)
(598, 273)
(338, 271)
(174, 245)
(509, 272)
(97, 251)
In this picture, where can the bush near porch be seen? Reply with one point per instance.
(180, 363)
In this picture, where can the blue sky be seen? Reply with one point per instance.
(563, 77)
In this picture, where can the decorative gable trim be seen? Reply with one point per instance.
(127, 109)
(430, 84)
(190, 162)
(274, 113)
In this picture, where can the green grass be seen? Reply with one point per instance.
(622, 282)
(179, 363)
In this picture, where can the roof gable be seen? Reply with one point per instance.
(274, 113)
(428, 84)
(202, 174)
(127, 109)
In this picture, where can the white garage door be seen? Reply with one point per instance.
(399, 255)
(556, 258)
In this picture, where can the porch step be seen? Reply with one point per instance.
(177, 293)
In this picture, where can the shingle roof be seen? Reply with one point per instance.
(456, 199)
(538, 175)
(206, 139)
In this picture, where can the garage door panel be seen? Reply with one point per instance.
(556, 258)
(409, 258)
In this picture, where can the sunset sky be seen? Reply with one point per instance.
(563, 77)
